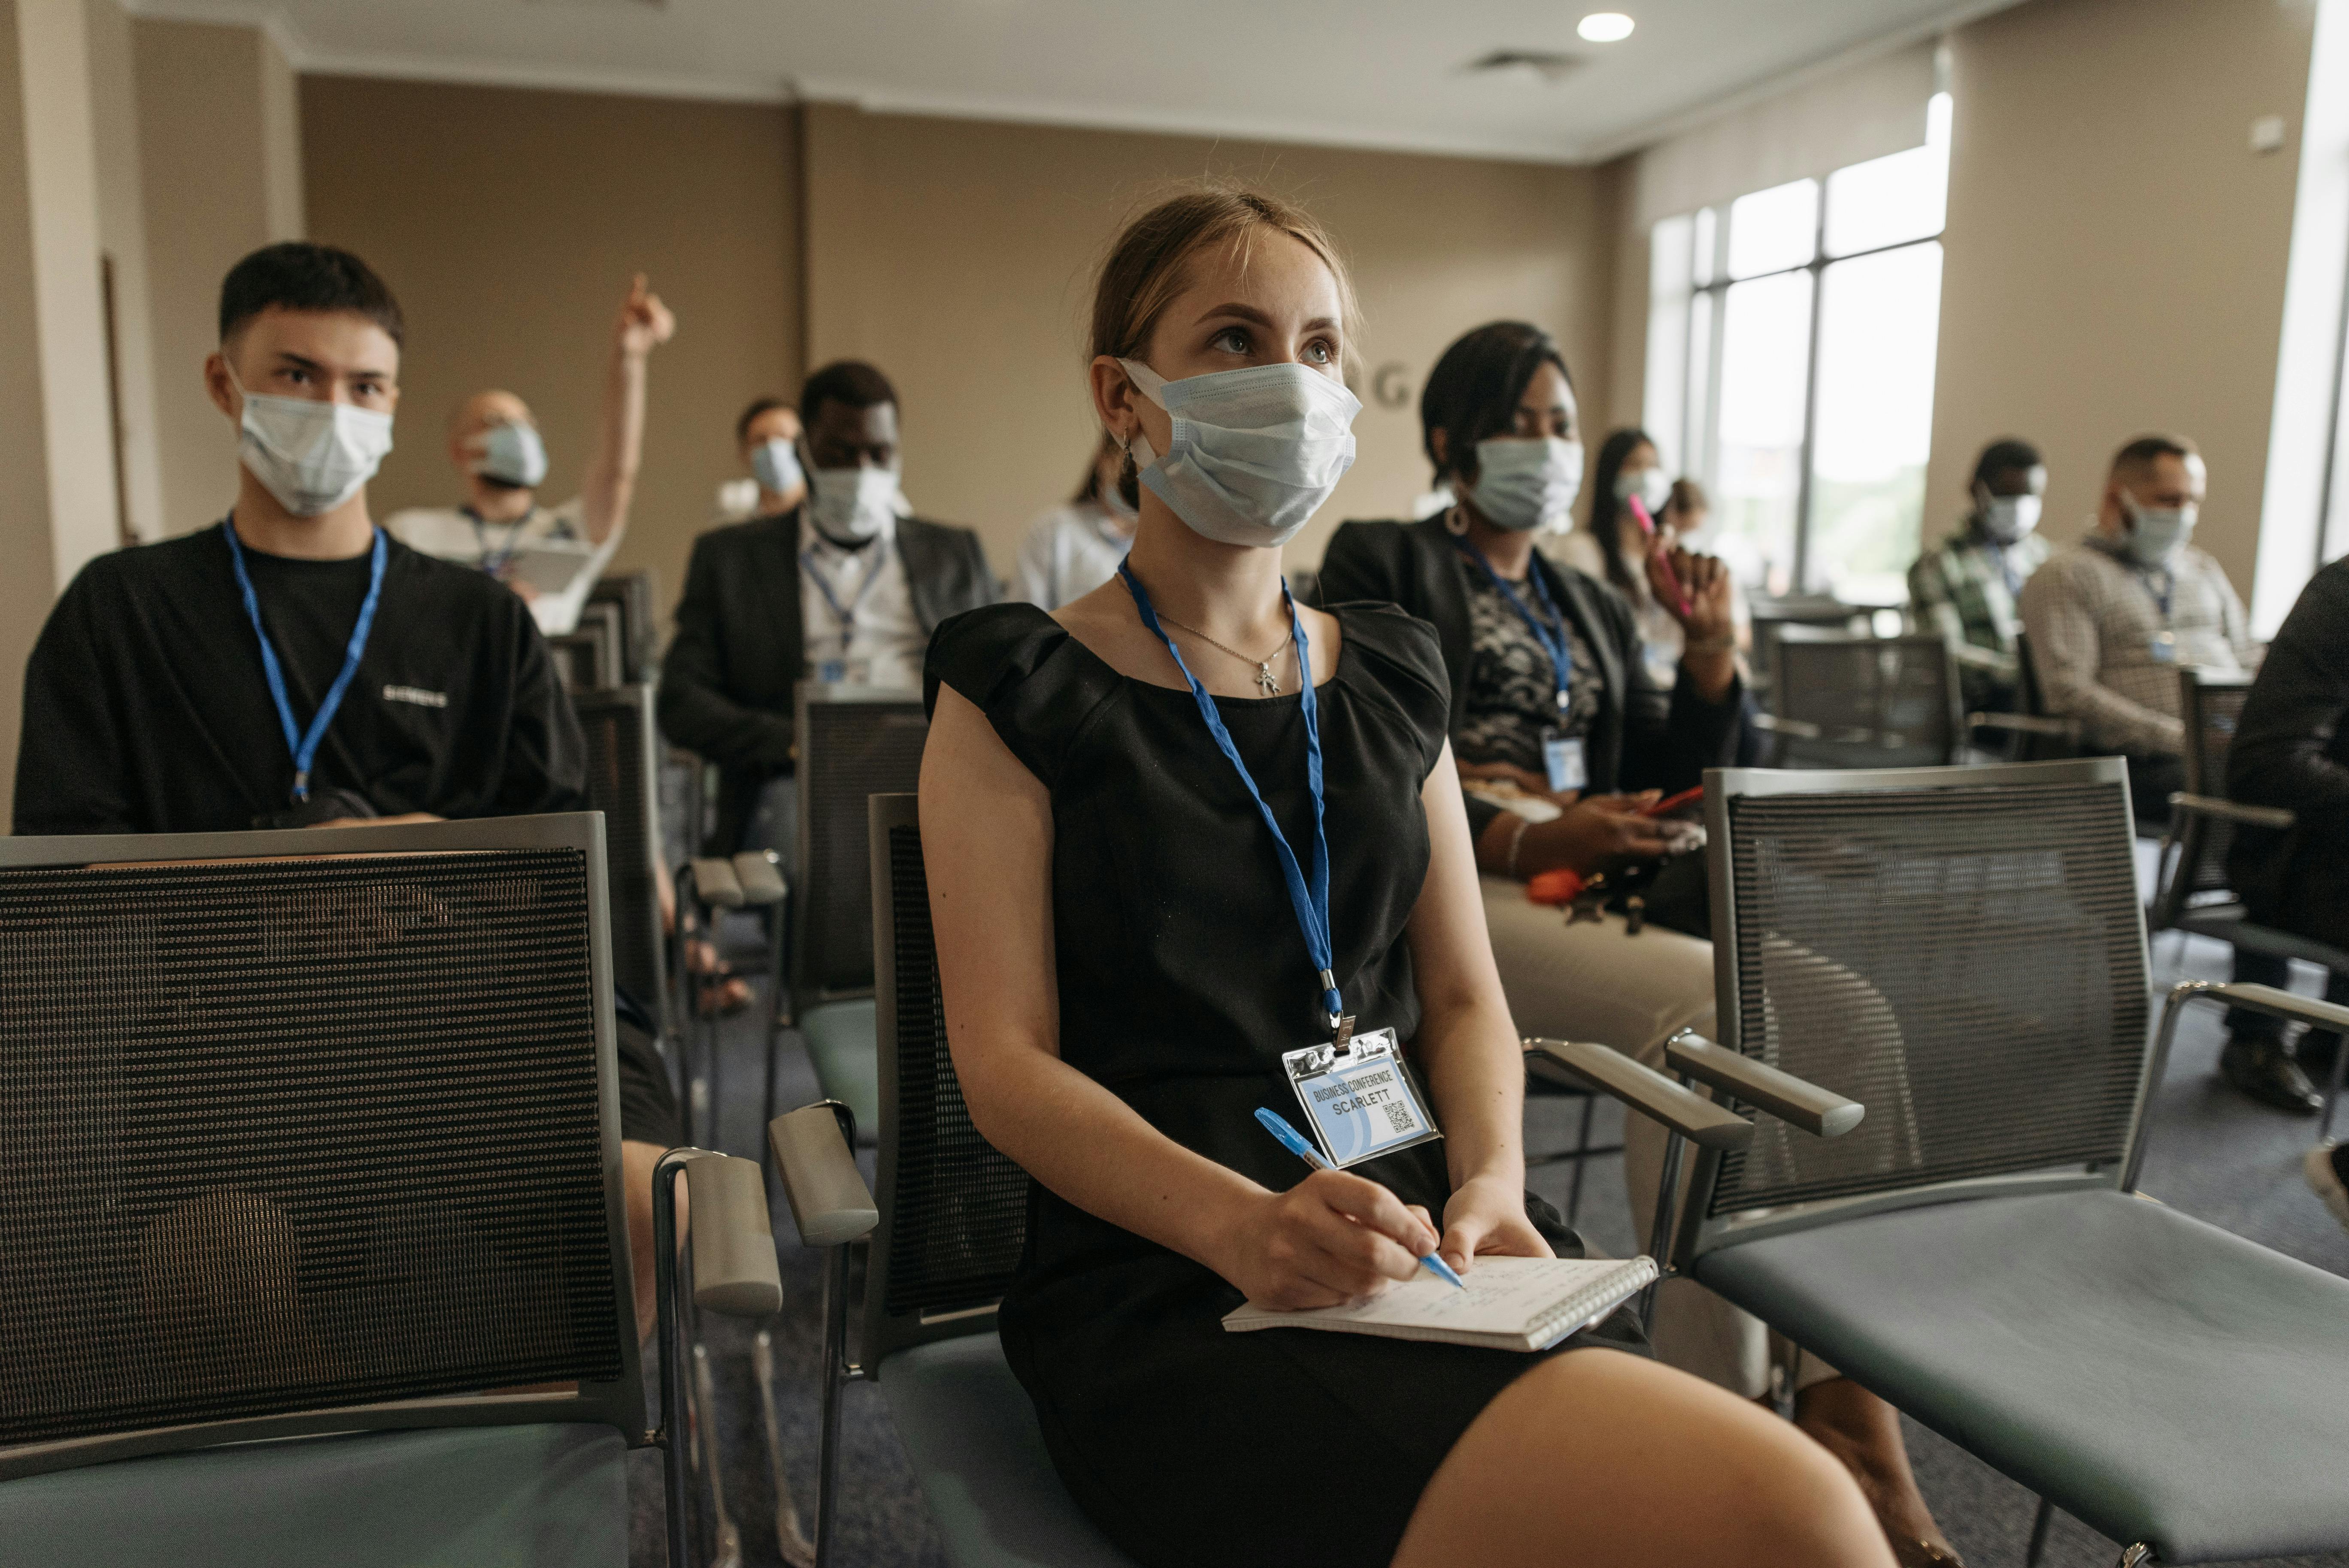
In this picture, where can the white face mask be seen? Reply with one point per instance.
(852, 506)
(1254, 452)
(776, 463)
(2157, 534)
(1648, 484)
(513, 454)
(2009, 519)
(1526, 484)
(313, 456)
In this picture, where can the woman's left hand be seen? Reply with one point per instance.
(1696, 591)
(1488, 1215)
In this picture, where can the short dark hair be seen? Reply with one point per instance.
(2143, 451)
(2008, 452)
(298, 276)
(849, 381)
(758, 406)
(1474, 389)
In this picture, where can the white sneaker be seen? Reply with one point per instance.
(2324, 1167)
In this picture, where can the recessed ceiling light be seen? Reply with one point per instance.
(1606, 26)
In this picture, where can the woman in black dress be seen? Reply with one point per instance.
(1123, 965)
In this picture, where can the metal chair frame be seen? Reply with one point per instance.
(2033, 734)
(597, 637)
(809, 891)
(1685, 1230)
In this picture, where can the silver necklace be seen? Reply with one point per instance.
(1265, 681)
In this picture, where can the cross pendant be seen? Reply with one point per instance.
(1265, 681)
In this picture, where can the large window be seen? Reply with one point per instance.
(1791, 335)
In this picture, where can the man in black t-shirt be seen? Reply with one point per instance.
(294, 665)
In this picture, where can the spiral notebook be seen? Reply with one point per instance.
(1510, 1303)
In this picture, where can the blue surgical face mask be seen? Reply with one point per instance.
(1522, 484)
(2157, 534)
(777, 465)
(311, 456)
(1254, 453)
(513, 454)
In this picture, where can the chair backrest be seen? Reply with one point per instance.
(310, 1145)
(634, 594)
(623, 782)
(1959, 949)
(954, 1212)
(854, 741)
(590, 656)
(2211, 703)
(1879, 702)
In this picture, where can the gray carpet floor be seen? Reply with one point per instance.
(2212, 1154)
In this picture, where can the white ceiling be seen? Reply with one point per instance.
(1375, 73)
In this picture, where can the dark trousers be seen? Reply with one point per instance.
(2152, 781)
(2263, 969)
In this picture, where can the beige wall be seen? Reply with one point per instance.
(509, 220)
(56, 481)
(2115, 252)
(956, 256)
(217, 163)
(122, 234)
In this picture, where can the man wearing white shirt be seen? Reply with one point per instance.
(550, 555)
(844, 587)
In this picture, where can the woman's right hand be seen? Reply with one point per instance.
(1593, 832)
(1331, 1239)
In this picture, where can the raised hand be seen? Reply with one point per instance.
(645, 323)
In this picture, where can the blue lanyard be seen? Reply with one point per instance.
(305, 745)
(1551, 634)
(845, 616)
(1312, 900)
(2165, 595)
(493, 561)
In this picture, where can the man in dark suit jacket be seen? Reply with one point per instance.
(839, 588)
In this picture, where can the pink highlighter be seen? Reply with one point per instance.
(1648, 527)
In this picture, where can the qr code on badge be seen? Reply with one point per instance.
(1400, 1118)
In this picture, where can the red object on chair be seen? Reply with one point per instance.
(1559, 886)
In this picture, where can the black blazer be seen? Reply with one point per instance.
(1642, 738)
(727, 686)
(2292, 750)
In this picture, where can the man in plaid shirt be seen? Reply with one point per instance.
(1966, 588)
(2113, 617)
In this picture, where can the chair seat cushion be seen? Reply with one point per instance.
(839, 1045)
(555, 1496)
(972, 1434)
(2158, 1377)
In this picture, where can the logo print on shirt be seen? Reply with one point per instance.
(416, 694)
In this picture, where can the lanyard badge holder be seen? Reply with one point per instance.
(303, 743)
(1562, 755)
(831, 672)
(1357, 1092)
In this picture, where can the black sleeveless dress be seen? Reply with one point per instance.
(1183, 978)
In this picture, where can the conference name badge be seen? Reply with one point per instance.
(1359, 1098)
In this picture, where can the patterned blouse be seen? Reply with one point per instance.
(1512, 690)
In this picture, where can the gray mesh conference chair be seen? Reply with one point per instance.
(1848, 701)
(2032, 735)
(592, 655)
(942, 1243)
(854, 742)
(2194, 893)
(1962, 951)
(622, 756)
(310, 1198)
(634, 594)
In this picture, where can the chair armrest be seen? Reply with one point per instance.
(714, 883)
(1800, 730)
(2268, 999)
(1821, 1112)
(2026, 724)
(1643, 1090)
(760, 881)
(2232, 810)
(734, 1269)
(830, 1202)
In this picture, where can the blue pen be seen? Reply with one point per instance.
(1294, 1142)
